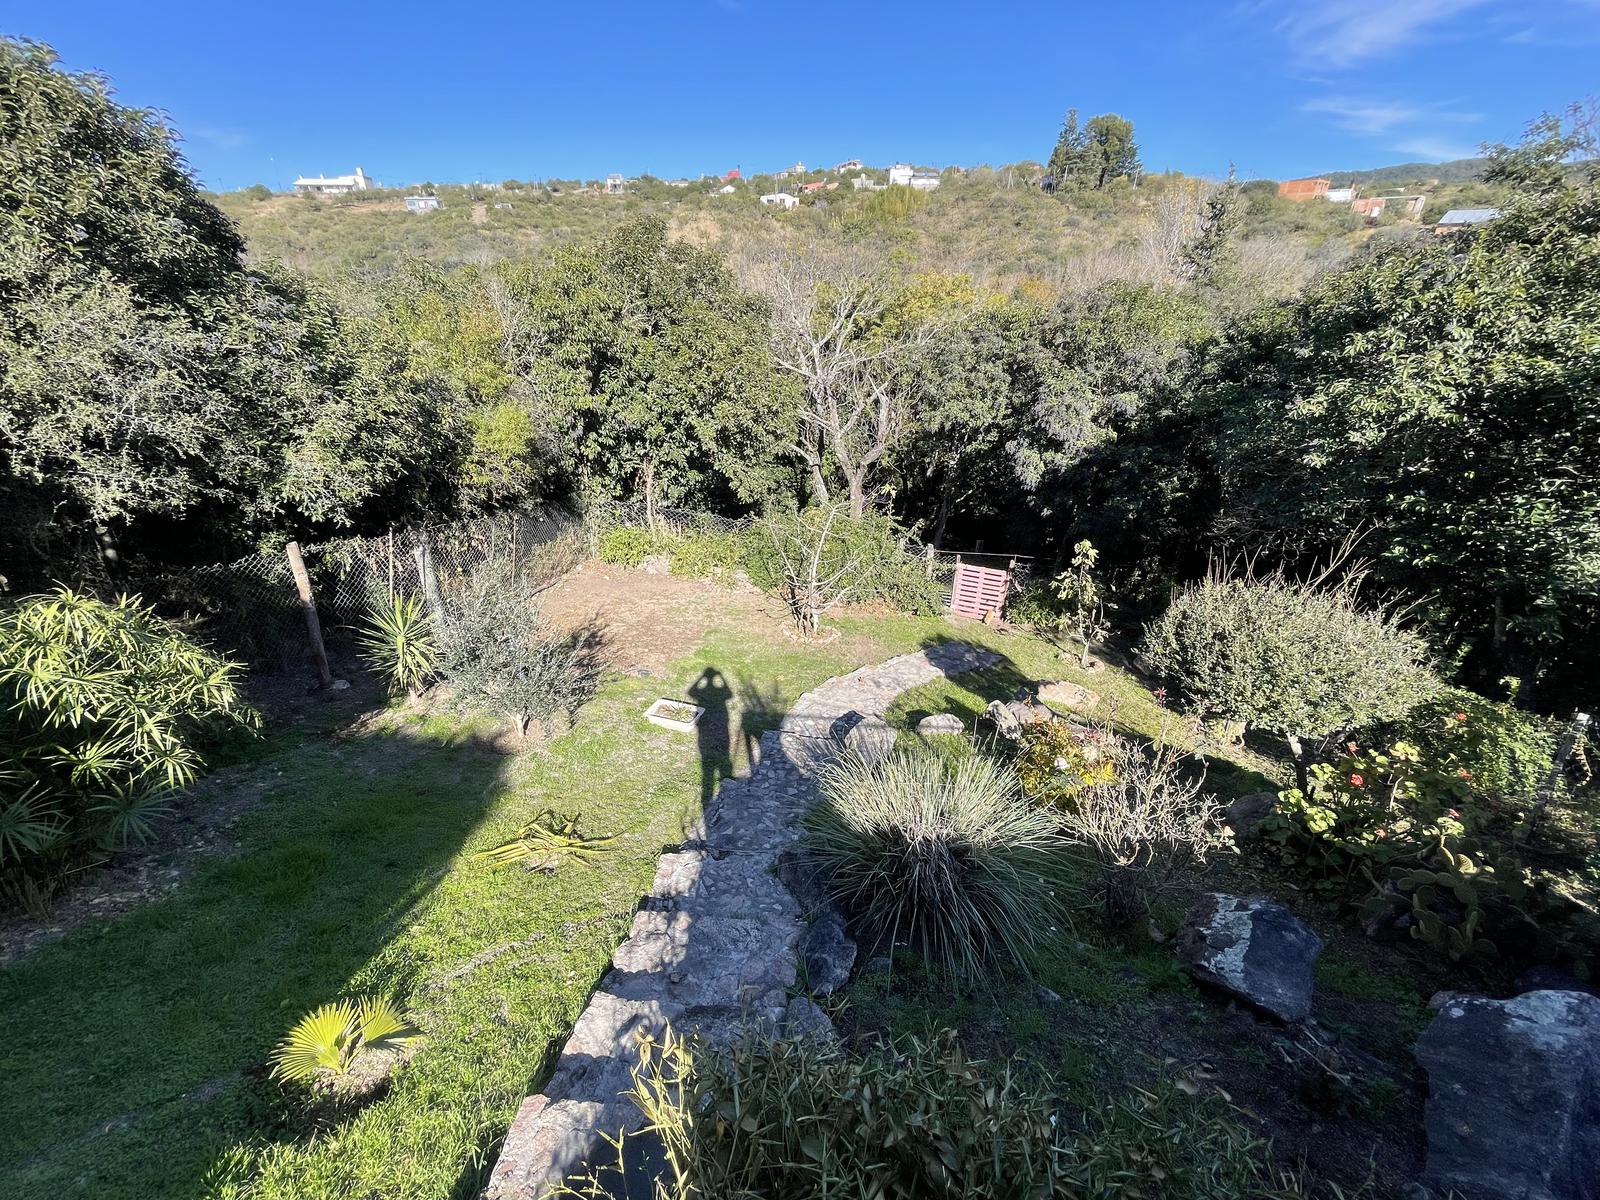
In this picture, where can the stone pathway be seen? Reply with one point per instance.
(713, 947)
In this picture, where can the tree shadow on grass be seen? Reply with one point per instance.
(137, 1045)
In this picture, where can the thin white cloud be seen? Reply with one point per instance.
(1436, 149)
(1374, 117)
(1363, 116)
(1342, 33)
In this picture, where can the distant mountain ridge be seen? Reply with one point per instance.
(1457, 170)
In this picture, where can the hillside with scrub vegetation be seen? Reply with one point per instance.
(482, 686)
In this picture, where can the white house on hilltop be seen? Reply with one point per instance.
(780, 200)
(905, 175)
(334, 185)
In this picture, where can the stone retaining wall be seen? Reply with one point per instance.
(712, 949)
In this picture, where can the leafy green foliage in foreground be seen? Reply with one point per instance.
(918, 1120)
(102, 707)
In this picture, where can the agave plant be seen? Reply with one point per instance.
(326, 1042)
(547, 841)
(398, 643)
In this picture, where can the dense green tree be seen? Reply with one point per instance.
(1093, 154)
(1447, 395)
(966, 389)
(1068, 161)
(658, 366)
(1110, 153)
(151, 386)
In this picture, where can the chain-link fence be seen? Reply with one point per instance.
(252, 606)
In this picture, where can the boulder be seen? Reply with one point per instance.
(1030, 712)
(1068, 695)
(941, 723)
(1548, 978)
(1005, 721)
(1245, 813)
(828, 953)
(1253, 948)
(803, 1020)
(870, 737)
(1514, 1097)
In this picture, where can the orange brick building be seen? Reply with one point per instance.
(1303, 189)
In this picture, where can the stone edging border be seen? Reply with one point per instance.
(713, 948)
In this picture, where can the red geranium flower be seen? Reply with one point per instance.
(1356, 780)
(1460, 716)
(1464, 773)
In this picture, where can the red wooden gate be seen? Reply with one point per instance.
(978, 591)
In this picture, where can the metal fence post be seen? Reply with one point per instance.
(302, 583)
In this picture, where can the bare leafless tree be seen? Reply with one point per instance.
(817, 570)
(828, 330)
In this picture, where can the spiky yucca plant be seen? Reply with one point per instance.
(325, 1043)
(945, 856)
(398, 643)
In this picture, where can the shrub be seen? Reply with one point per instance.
(502, 657)
(919, 1120)
(324, 1044)
(943, 855)
(1145, 820)
(397, 643)
(1056, 762)
(1301, 661)
(628, 545)
(102, 708)
(1508, 750)
(1035, 605)
(705, 554)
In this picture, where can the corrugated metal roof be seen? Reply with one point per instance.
(1469, 216)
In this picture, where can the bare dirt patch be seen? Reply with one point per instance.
(649, 619)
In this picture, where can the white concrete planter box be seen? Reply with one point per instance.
(669, 714)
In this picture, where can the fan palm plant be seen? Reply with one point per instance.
(398, 643)
(325, 1043)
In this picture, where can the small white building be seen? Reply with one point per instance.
(780, 200)
(332, 185)
(726, 189)
(924, 181)
(1342, 195)
(901, 173)
(616, 185)
(865, 183)
(849, 164)
(421, 204)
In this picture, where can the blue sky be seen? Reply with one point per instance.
(490, 89)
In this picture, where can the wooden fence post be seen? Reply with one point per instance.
(302, 583)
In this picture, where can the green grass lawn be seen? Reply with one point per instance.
(136, 1045)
